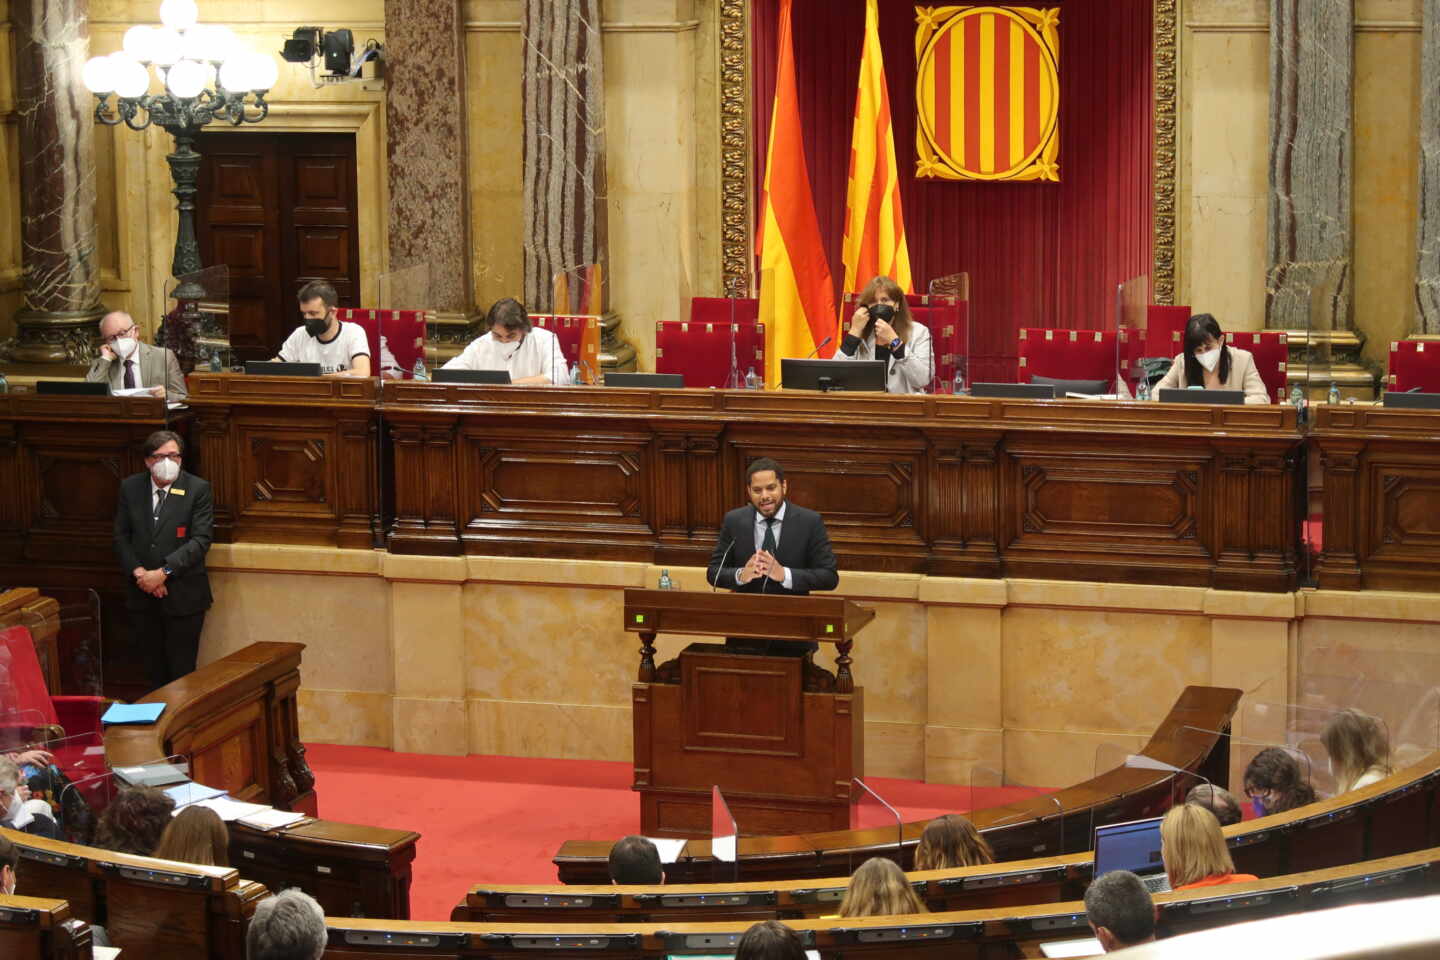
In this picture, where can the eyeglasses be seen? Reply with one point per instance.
(164, 456)
(121, 335)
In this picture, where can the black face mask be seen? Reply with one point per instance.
(315, 326)
(882, 311)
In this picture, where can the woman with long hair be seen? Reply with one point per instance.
(879, 889)
(1209, 362)
(951, 841)
(881, 328)
(195, 835)
(134, 821)
(1193, 849)
(1274, 782)
(1359, 750)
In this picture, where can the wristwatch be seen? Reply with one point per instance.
(167, 571)
(894, 344)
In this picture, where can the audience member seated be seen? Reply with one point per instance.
(531, 354)
(1207, 362)
(134, 821)
(879, 889)
(1219, 801)
(9, 867)
(195, 835)
(1359, 750)
(770, 940)
(1120, 911)
(287, 926)
(635, 861)
(18, 810)
(1194, 850)
(951, 841)
(1274, 782)
(882, 329)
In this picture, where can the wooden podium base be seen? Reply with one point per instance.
(783, 758)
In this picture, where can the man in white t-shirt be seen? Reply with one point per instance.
(531, 354)
(340, 348)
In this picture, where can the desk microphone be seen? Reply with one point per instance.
(823, 344)
(715, 583)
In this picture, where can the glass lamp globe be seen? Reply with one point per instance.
(165, 46)
(131, 78)
(235, 74)
(179, 14)
(99, 75)
(186, 79)
(139, 43)
(264, 71)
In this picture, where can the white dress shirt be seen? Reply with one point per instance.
(537, 354)
(787, 583)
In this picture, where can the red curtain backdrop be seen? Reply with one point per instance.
(1038, 255)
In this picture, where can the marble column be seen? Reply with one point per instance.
(1427, 231)
(1312, 48)
(425, 132)
(564, 197)
(57, 184)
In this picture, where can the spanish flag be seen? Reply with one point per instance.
(874, 224)
(797, 297)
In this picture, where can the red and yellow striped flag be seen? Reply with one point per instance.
(874, 224)
(797, 297)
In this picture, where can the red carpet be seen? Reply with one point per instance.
(501, 819)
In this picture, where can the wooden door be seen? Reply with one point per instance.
(279, 209)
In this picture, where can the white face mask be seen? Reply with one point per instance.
(1210, 359)
(165, 471)
(125, 346)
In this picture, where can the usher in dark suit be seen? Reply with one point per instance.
(803, 549)
(169, 628)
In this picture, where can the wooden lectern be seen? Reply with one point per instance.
(783, 757)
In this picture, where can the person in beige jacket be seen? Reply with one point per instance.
(1207, 362)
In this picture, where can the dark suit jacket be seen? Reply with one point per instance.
(179, 540)
(804, 548)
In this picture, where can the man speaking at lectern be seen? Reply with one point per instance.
(772, 546)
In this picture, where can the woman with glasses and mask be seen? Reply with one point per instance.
(1210, 363)
(881, 328)
(1274, 782)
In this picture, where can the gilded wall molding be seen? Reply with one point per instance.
(737, 215)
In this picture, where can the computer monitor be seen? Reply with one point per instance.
(1014, 391)
(471, 376)
(1063, 387)
(1196, 395)
(1133, 846)
(829, 376)
(1412, 401)
(280, 368)
(664, 381)
(82, 388)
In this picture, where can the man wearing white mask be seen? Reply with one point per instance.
(127, 364)
(162, 532)
(531, 354)
(19, 811)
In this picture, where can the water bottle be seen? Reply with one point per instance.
(1297, 400)
(665, 582)
(1333, 397)
(752, 382)
(575, 374)
(4, 384)
(215, 366)
(1142, 389)
(957, 387)
(418, 372)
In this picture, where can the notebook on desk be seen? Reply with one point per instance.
(1133, 846)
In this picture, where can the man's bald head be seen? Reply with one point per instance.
(114, 322)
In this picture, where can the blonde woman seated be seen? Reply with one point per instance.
(195, 835)
(1359, 750)
(879, 889)
(1207, 362)
(881, 328)
(1194, 851)
(951, 841)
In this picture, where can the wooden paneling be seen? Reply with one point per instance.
(1151, 493)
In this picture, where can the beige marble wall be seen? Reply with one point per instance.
(1224, 100)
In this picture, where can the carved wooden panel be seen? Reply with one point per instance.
(286, 471)
(77, 487)
(752, 708)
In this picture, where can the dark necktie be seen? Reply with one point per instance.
(129, 374)
(769, 544)
(159, 502)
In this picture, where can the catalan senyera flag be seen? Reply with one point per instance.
(874, 223)
(797, 299)
(987, 93)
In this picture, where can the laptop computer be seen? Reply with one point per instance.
(1133, 846)
(471, 376)
(280, 368)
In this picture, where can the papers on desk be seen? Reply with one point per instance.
(229, 809)
(104, 953)
(669, 847)
(185, 794)
(131, 392)
(133, 713)
(271, 819)
(723, 849)
(1088, 947)
(1072, 395)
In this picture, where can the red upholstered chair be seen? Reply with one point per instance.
(1067, 354)
(571, 332)
(724, 309)
(404, 332)
(1414, 363)
(1272, 351)
(1164, 329)
(700, 352)
(946, 317)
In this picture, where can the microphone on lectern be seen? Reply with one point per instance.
(823, 344)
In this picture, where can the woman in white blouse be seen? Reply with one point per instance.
(881, 328)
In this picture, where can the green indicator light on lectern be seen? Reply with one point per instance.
(639, 618)
(829, 628)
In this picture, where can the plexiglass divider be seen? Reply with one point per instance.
(1245, 749)
(724, 839)
(1018, 804)
(196, 327)
(397, 328)
(80, 645)
(946, 312)
(579, 296)
(1343, 744)
(870, 811)
(1131, 319)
